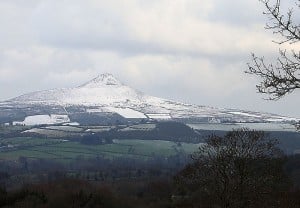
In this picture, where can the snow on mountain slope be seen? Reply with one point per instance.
(107, 94)
(126, 112)
(103, 90)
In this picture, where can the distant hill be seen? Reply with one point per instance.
(106, 100)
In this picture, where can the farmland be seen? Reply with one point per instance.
(139, 141)
(58, 149)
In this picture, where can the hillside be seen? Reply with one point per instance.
(106, 100)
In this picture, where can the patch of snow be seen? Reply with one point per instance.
(71, 124)
(98, 130)
(282, 119)
(43, 119)
(214, 120)
(245, 114)
(159, 115)
(126, 112)
(94, 110)
(34, 130)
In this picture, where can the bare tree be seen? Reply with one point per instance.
(240, 169)
(283, 76)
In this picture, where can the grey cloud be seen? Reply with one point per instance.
(240, 13)
(107, 27)
(243, 13)
(194, 51)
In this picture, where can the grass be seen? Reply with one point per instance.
(149, 147)
(139, 127)
(40, 148)
(15, 154)
(65, 128)
(11, 129)
(52, 132)
(27, 141)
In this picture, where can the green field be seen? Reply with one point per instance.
(38, 148)
(30, 141)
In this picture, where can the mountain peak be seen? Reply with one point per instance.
(102, 80)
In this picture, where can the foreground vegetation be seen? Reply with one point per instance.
(155, 191)
(62, 150)
(243, 168)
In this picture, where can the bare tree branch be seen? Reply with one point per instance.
(283, 76)
(281, 23)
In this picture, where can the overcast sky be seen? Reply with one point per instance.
(194, 51)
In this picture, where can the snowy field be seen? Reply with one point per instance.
(126, 112)
(43, 119)
(159, 116)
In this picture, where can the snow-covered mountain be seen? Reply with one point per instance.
(102, 90)
(104, 96)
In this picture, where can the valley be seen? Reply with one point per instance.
(141, 140)
(63, 143)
